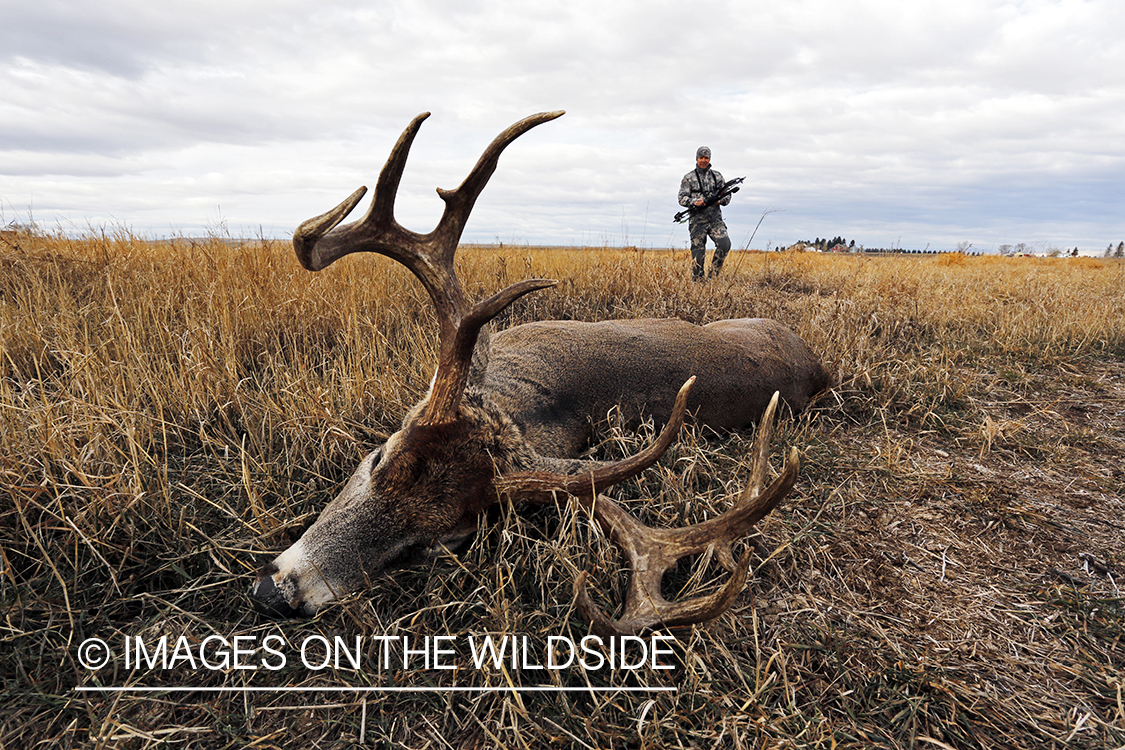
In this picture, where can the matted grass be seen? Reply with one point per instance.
(946, 572)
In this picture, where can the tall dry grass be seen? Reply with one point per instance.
(174, 413)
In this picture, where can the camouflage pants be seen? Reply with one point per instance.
(700, 231)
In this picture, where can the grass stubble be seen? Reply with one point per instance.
(946, 573)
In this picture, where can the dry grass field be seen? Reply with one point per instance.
(947, 572)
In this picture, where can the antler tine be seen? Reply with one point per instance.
(651, 552)
(322, 240)
(645, 606)
(459, 203)
(544, 486)
(319, 242)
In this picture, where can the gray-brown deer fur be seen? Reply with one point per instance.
(514, 423)
(557, 378)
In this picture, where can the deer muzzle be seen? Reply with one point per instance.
(268, 598)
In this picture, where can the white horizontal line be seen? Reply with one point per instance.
(350, 689)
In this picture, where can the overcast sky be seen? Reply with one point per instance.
(893, 122)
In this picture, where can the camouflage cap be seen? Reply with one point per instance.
(703, 152)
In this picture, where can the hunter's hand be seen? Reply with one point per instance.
(699, 202)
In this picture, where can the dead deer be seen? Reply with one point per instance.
(509, 424)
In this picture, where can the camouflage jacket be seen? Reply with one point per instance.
(699, 183)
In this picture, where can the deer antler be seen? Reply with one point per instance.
(544, 486)
(321, 241)
(652, 551)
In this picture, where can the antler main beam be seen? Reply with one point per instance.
(543, 486)
(322, 240)
(651, 552)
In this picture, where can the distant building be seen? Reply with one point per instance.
(803, 247)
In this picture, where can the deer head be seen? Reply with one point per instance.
(456, 453)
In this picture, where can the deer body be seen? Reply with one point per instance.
(556, 378)
(511, 424)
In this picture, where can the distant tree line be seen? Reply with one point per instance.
(1023, 248)
(839, 244)
(914, 251)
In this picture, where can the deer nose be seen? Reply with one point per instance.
(268, 598)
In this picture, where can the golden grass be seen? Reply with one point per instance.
(946, 573)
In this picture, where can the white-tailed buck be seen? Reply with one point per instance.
(508, 424)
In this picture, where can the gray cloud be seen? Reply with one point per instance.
(932, 121)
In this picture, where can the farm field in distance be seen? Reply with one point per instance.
(946, 573)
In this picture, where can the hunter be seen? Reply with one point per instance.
(696, 188)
